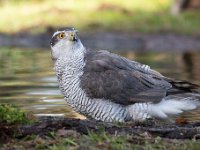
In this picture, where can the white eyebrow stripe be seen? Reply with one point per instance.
(57, 32)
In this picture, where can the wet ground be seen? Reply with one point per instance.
(27, 78)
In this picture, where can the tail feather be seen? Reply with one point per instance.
(173, 105)
(180, 86)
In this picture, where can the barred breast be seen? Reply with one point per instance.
(69, 82)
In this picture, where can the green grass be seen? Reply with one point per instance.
(120, 15)
(98, 141)
(10, 114)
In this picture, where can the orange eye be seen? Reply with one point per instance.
(61, 35)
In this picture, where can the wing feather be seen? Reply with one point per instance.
(109, 76)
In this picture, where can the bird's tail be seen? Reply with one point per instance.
(174, 104)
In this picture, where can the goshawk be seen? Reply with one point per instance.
(107, 87)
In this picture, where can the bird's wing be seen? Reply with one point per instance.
(109, 76)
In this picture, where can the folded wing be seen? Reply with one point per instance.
(109, 76)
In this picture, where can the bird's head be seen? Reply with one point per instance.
(65, 42)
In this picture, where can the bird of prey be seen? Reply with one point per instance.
(110, 88)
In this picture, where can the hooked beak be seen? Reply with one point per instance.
(73, 36)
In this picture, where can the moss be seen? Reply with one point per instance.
(10, 114)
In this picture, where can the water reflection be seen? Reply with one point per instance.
(27, 78)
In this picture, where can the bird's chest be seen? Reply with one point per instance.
(68, 73)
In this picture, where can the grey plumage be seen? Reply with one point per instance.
(109, 76)
(126, 82)
(108, 87)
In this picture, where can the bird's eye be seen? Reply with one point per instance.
(61, 35)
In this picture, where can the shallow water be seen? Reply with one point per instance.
(27, 78)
